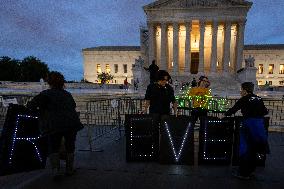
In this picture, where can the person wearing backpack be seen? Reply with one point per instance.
(253, 136)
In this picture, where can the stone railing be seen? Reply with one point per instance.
(38, 86)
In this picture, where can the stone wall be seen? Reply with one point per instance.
(37, 86)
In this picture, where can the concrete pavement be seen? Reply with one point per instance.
(108, 169)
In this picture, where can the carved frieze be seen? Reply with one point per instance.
(192, 3)
(209, 3)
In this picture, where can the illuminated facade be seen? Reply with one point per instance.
(112, 60)
(269, 60)
(189, 38)
(196, 37)
(116, 60)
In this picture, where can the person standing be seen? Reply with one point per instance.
(193, 83)
(200, 95)
(136, 81)
(153, 69)
(253, 137)
(41, 81)
(176, 84)
(160, 95)
(125, 82)
(58, 118)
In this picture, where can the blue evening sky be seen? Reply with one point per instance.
(56, 31)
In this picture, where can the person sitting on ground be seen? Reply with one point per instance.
(253, 137)
(58, 118)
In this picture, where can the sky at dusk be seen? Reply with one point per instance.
(56, 31)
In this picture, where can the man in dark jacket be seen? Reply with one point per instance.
(160, 95)
(58, 118)
(153, 69)
(253, 137)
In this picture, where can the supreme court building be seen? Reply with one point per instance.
(185, 37)
(192, 36)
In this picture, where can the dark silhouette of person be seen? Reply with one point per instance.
(153, 69)
(160, 95)
(136, 81)
(125, 82)
(58, 118)
(253, 137)
(193, 83)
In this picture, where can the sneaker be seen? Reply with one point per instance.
(239, 176)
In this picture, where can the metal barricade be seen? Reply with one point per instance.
(108, 115)
(21, 100)
(3, 111)
(275, 111)
(102, 117)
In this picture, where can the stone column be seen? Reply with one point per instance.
(214, 47)
(227, 45)
(240, 44)
(201, 47)
(176, 47)
(151, 43)
(187, 47)
(164, 46)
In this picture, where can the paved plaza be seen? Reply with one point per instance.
(108, 169)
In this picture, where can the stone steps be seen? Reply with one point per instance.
(220, 85)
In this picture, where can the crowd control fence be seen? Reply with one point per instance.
(104, 116)
(108, 115)
(4, 99)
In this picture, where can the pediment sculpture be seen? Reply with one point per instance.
(139, 63)
(193, 3)
(249, 62)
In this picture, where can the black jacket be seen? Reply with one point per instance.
(57, 111)
(160, 98)
(250, 105)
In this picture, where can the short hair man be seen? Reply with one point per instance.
(253, 137)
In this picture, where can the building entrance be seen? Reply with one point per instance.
(194, 63)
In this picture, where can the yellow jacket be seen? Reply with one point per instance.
(199, 96)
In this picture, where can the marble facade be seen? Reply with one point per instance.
(196, 37)
(269, 61)
(189, 38)
(117, 60)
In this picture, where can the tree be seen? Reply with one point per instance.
(29, 69)
(32, 69)
(105, 77)
(9, 69)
